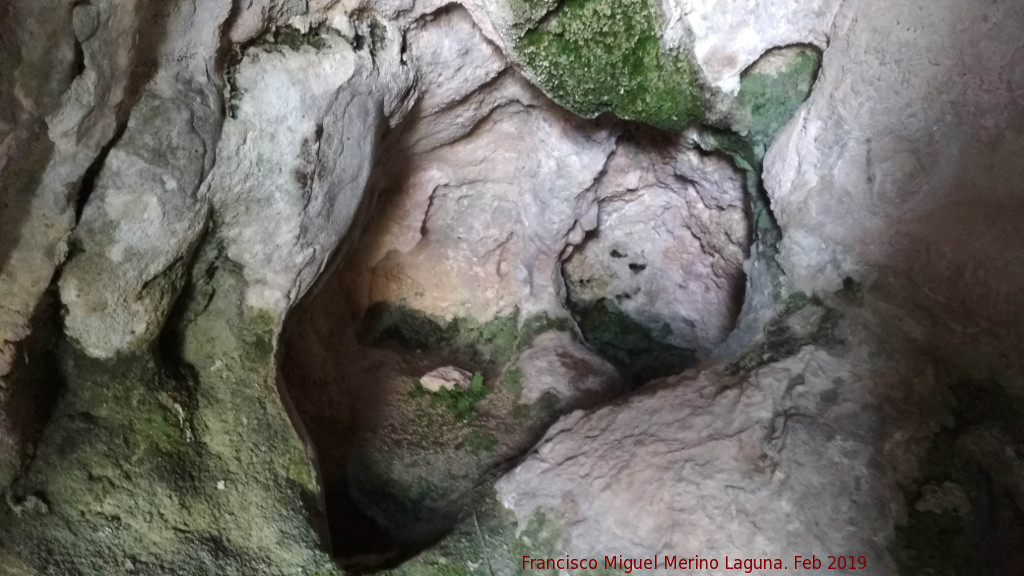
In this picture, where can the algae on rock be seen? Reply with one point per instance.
(595, 56)
(175, 460)
(640, 353)
(771, 91)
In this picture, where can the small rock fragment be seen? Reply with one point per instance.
(448, 377)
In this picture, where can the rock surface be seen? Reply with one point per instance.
(899, 172)
(398, 186)
(669, 247)
(716, 463)
(447, 377)
(556, 363)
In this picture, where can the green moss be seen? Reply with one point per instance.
(640, 354)
(513, 380)
(771, 92)
(294, 39)
(527, 14)
(595, 56)
(462, 403)
(480, 442)
(539, 324)
(804, 322)
(493, 342)
(396, 325)
(177, 460)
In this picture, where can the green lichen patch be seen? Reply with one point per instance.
(171, 461)
(596, 56)
(772, 90)
(493, 342)
(640, 353)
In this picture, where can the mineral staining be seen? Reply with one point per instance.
(595, 56)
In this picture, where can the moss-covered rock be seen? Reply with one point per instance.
(489, 541)
(179, 460)
(640, 353)
(493, 341)
(771, 91)
(803, 321)
(595, 56)
(415, 482)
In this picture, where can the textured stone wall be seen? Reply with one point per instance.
(235, 235)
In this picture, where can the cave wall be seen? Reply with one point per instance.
(180, 181)
(899, 172)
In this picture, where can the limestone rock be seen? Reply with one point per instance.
(283, 213)
(137, 233)
(728, 36)
(446, 377)
(669, 246)
(900, 170)
(555, 363)
(945, 497)
(199, 171)
(779, 461)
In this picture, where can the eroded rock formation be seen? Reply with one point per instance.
(715, 277)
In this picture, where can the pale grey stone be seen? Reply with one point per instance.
(446, 377)
(556, 363)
